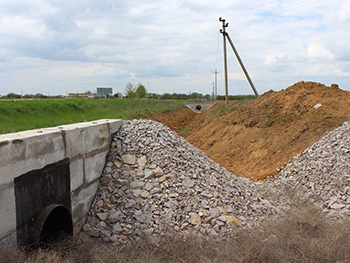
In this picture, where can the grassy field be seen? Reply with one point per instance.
(20, 115)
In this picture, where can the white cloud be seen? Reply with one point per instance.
(171, 46)
(317, 51)
(344, 12)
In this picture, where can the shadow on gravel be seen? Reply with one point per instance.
(302, 235)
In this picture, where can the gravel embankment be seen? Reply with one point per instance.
(320, 175)
(156, 183)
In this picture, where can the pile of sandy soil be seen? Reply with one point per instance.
(259, 137)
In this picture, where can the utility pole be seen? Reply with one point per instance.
(223, 31)
(226, 35)
(242, 65)
(213, 92)
(216, 83)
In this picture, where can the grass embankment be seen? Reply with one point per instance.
(21, 115)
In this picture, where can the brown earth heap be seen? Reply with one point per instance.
(255, 139)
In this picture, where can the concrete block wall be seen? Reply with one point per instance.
(84, 144)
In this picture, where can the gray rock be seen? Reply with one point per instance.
(129, 158)
(149, 173)
(142, 217)
(137, 184)
(155, 183)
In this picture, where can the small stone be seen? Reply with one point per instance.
(153, 208)
(337, 206)
(318, 105)
(137, 184)
(152, 166)
(142, 161)
(115, 217)
(211, 232)
(136, 193)
(144, 194)
(117, 229)
(149, 173)
(158, 171)
(108, 170)
(162, 179)
(148, 231)
(142, 217)
(93, 233)
(117, 163)
(132, 172)
(130, 203)
(129, 158)
(229, 219)
(123, 182)
(102, 216)
(155, 190)
(148, 186)
(195, 219)
(101, 225)
(173, 194)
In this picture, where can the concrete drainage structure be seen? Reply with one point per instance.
(48, 178)
(200, 107)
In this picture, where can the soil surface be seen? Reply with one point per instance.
(256, 138)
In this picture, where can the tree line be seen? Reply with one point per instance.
(140, 91)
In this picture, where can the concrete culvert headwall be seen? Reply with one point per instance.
(48, 178)
(199, 108)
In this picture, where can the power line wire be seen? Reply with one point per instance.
(273, 13)
(252, 8)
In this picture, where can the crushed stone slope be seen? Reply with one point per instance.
(156, 183)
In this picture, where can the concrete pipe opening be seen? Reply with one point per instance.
(198, 107)
(54, 223)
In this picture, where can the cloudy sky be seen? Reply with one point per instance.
(56, 47)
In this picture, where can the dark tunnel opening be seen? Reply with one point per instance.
(55, 224)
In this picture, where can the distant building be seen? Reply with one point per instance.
(104, 92)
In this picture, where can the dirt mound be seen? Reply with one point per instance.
(257, 138)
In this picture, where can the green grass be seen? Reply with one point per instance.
(21, 115)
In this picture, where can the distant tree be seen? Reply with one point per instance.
(130, 90)
(195, 96)
(180, 96)
(12, 95)
(152, 96)
(28, 96)
(40, 95)
(165, 96)
(140, 91)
